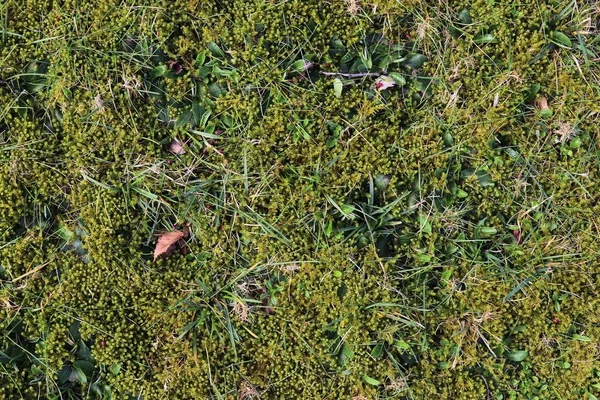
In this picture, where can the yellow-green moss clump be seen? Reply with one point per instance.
(434, 239)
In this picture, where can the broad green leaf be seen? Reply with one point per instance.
(80, 375)
(516, 355)
(590, 396)
(85, 366)
(415, 61)
(465, 17)
(398, 78)
(561, 39)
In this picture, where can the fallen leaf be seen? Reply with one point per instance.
(176, 147)
(542, 103)
(384, 82)
(175, 67)
(167, 242)
(338, 86)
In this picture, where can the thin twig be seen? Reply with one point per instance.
(351, 76)
(33, 271)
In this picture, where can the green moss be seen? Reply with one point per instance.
(436, 239)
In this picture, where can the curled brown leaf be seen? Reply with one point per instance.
(167, 242)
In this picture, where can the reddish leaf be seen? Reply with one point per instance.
(175, 67)
(167, 243)
(384, 82)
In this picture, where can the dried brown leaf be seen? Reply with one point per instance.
(176, 147)
(542, 103)
(166, 243)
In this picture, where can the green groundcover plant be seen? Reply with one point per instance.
(299, 199)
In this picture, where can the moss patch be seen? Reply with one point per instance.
(381, 199)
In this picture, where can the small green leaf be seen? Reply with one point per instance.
(204, 118)
(200, 58)
(347, 209)
(398, 78)
(216, 90)
(85, 366)
(84, 353)
(561, 39)
(328, 228)
(204, 71)
(197, 111)
(401, 344)
(422, 257)
(215, 50)
(206, 135)
(465, 17)
(300, 66)
(338, 87)
(159, 70)
(415, 61)
(516, 355)
(371, 381)
(448, 139)
(484, 179)
(442, 365)
(67, 93)
(377, 351)
(183, 119)
(533, 91)
(366, 59)
(590, 396)
(581, 338)
(486, 38)
(79, 375)
(222, 73)
(451, 248)
(488, 230)
(65, 233)
(347, 351)
(115, 369)
(424, 224)
(446, 276)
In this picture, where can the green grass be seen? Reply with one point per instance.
(378, 199)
